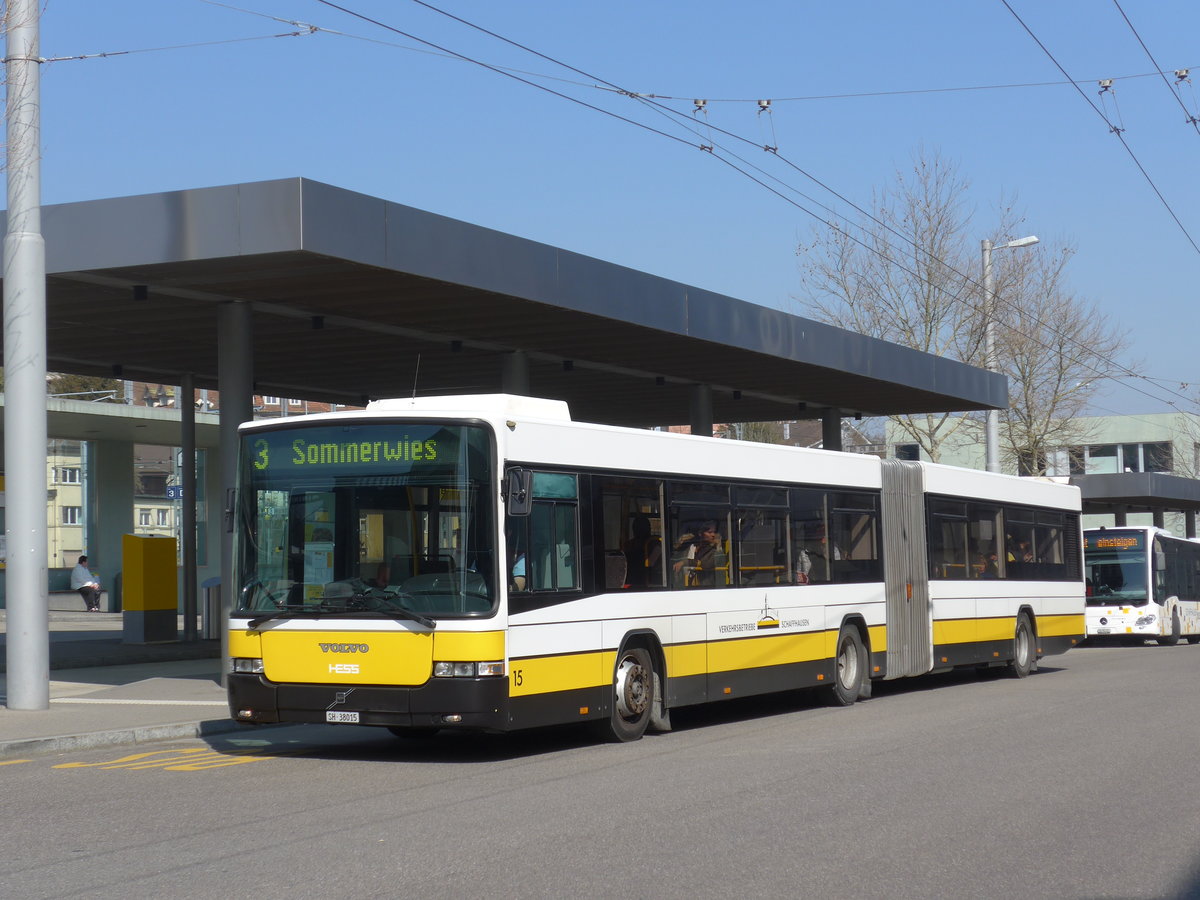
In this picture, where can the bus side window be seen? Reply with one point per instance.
(629, 534)
(552, 563)
(853, 525)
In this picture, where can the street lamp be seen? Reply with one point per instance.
(992, 423)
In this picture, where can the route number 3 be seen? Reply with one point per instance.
(261, 458)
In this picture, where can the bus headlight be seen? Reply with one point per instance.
(467, 669)
(245, 666)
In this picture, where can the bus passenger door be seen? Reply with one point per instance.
(906, 570)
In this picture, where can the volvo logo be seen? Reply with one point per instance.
(344, 648)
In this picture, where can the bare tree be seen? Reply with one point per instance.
(909, 273)
(1055, 347)
(897, 274)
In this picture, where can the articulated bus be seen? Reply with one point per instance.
(484, 562)
(1141, 583)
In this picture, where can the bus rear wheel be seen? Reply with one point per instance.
(633, 696)
(850, 667)
(1023, 648)
(1170, 640)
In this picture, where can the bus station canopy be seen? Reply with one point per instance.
(355, 298)
(1137, 492)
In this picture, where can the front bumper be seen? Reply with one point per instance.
(471, 703)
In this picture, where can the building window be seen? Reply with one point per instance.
(295, 402)
(163, 518)
(144, 517)
(1101, 459)
(66, 474)
(270, 401)
(1157, 457)
(71, 515)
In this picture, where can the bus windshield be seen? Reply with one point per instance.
(378, 518)
(1116, 568)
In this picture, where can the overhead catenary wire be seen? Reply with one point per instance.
(363, 17)
(1191, 119)
(774, 150)
(1110, 125)
(309, 29)
(114, 53)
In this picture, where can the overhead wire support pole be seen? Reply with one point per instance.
(991, 429)
(28, 617)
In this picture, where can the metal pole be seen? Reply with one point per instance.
(187, 504)
(235, 373)
(700, 412)
(992, 422)
(28, 660)
(831, 429)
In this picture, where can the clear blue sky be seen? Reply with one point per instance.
(360, 111)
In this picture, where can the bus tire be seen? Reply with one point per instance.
(1024, 652)
(1170, 640)
(633, 696)
(849, 667)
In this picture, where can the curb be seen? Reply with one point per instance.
(120, 737)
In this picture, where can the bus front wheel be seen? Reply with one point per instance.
(850, 667)
(633, 696)
(1023, 648)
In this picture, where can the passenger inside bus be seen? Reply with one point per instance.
(702, 557)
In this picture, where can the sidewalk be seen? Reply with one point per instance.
(104, 692)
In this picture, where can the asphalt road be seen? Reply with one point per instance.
(1076, 782)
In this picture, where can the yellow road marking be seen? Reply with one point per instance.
(185, 760)
(13, 762)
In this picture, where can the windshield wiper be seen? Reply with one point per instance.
(381, 606)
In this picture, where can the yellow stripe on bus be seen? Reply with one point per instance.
(966, 631)
(877, 634)
(686, 659)
(1003, 629)
(468, 646)
(1060, 626)
(245, 644)
(960, 631)
(776, 650)
(546, 674)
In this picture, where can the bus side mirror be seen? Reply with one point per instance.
(518, 494)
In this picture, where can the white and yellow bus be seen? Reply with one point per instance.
(1142, 582)
(484, 562)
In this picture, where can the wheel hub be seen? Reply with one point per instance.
(633, 693)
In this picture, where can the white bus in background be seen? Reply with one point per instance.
(1142, 583)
